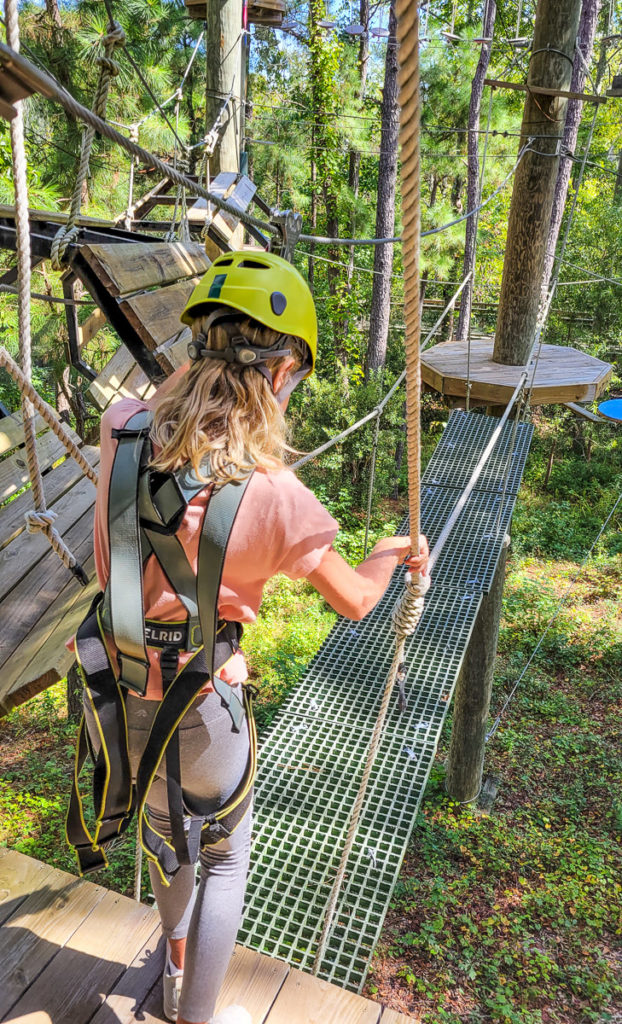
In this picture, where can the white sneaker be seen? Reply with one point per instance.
(171, 988)
(233, 1015)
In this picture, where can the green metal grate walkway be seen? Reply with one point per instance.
(312, 758)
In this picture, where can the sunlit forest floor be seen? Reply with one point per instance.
(506, 916)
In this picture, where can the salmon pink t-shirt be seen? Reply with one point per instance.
(281, 527)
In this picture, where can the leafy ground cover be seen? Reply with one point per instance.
(501, 917)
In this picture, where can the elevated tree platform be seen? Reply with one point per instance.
(562, 374)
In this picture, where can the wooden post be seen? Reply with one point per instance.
(223, 47)
(555, 34)
(465, 764)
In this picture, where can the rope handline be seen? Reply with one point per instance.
(40, 519)
(564, 598)
(408, 611)
(108, 69)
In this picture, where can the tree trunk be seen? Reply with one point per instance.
(355, 157)
(74, 694)
(223, 25)
(585, 44)
(472, 701)
(51, 7)
(534, 183)
(617, 191)
(385, 210)
(473, 172)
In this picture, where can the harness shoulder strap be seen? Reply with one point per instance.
(124, 593)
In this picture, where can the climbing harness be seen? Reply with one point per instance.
(145, 510)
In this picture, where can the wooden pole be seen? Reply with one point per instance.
(465, 765)
(552, 55)
(223, 48)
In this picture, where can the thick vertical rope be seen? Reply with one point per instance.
(409, 609)
(41, 519)
(108, 69)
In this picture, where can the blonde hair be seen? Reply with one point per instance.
(223, 410)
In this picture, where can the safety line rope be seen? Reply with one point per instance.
(41, 519)
(377, 411)
(48, 87)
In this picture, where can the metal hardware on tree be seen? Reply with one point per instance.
(289, 226)
(312, 758)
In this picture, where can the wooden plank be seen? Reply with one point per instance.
(253, 980)
(393, 1017)
(22, 555)
(240, 198)
(31, 938)
(155, 315)
(587, 414)
(134, 986)
(309, 999)
(106, 385)
(128, 267)
(176, 350)
(32, 597)
(541, 90)
(14, 469)
(19, 876)
(90, 327)
(74, 984)
(12, 432)
(42, 658)
(56, 482)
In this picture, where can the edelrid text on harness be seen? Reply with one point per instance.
(145, 510)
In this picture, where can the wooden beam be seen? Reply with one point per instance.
(540, 90)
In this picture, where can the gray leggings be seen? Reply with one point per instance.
(213, 760)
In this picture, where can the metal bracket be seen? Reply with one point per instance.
(289, 226)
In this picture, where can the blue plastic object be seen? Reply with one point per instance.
(611, 410)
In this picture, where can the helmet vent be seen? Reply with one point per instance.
(278, 303)
(254, 265)
(223, 262)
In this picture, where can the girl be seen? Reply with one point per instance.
(254, 337)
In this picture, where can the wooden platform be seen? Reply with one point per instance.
(72, 952)
(562, 375)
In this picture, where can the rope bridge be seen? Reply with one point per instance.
(312, 757)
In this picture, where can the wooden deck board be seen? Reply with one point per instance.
(73, 953)
(93, 959)
(56, 483)
(14, 468)
(39, 927)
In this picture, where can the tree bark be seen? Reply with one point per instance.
(472, 701)
(585, 44)
(223, 39)
(354, 170)
(385, 210)
(534, 183)
(473, 171)
(617, 190)
(74, 694)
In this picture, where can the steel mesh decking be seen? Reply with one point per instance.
(312, 757)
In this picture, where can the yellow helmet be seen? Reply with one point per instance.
(263, 286)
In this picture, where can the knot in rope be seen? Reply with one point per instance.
(109, 64)
(409, 609)
(63, 238)
(115, 36)
(39, 522)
